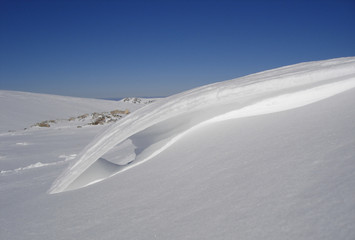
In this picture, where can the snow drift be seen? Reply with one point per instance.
(149, 131)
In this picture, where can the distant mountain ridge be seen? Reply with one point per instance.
(22, 109)
(121, 98)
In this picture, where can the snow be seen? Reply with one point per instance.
(219, 98)
(21, 109)
(273, 161)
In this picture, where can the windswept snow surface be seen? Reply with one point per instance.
(270, 91)
(275, 163)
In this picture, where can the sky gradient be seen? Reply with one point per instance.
(106, 49)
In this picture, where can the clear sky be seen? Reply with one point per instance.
(158, 48)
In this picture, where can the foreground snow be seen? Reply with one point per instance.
(270, 164)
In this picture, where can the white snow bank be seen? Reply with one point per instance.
(162, 123)
(270, 105)
(288, 101)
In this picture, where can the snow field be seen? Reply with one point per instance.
(269, 156)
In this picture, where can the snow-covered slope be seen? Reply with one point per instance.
(268, 156)
(21, 109)
(162, 123)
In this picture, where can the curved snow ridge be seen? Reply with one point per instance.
(288, 101)
(38, 165)
(271, 105)
(206, 102)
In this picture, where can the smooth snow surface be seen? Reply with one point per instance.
(268, 156)
(270, 91)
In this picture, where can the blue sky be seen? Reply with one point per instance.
(158, 48)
